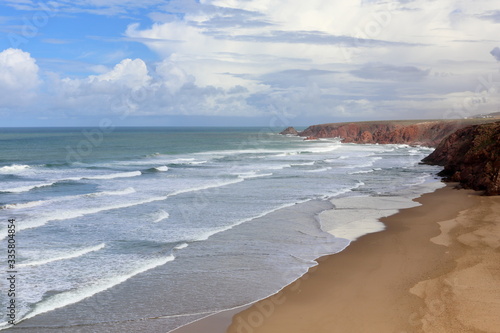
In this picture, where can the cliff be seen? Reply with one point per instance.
(416, 132)
(471, 156)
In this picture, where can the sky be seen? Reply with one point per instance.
(246, 62)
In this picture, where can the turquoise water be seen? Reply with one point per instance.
(99, 210)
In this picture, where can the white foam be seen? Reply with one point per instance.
(354, 217)
(66, 256)
(291, 153)
(25, 205)
(420, 180)
(112, 176)
(343, 190)
(162, 168)
(206, 235)
(128, 190)
(73, 296)
(354, 229)
(14, 168)
(319, 170)
(303, 164)
(197, 162)
(181, 246)
(98, 177)
(71, 214)
(75, 213)
(27, 188)
(253, 174)
(414, 152)
(364, 171)
(31, 204)
(206, 187)
(182, 160)
(327, 149)
(370, 163)
(160, 216)
(278, 167)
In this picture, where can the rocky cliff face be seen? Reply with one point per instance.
(425, 133)
(471, 156)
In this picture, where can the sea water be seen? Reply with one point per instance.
(114, 228)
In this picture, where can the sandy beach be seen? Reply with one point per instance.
(436, 268)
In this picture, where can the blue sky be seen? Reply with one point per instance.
(246, 62)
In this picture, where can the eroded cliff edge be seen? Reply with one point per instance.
(426, 133)
(471, 156)
(468, 149)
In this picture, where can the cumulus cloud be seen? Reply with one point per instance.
(172, 78)
(18, 77)
(131, 88)
(129, 73)
(249, 58)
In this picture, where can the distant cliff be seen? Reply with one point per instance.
(471, 156)
(426, 133)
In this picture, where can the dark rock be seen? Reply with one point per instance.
(289, 131)
(471, 156)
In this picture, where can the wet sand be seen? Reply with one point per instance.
(436, 268)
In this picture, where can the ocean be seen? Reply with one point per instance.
(125, 228)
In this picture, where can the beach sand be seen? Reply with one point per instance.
(436, 268)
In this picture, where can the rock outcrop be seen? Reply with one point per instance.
(426, 133)
(289, 131)
(471, 156)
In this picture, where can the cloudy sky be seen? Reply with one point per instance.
(246, 62)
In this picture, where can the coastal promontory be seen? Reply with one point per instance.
(468, 149)
(471, 156)
(413, 132)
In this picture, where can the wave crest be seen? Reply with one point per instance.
(14, 168)
(67, 256)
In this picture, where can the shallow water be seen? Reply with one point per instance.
(178, 223)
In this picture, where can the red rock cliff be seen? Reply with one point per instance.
(425, 133)
(471, 156)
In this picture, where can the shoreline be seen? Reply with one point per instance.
(410, 277)
(415, 276)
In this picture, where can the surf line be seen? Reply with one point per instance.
(11, 271)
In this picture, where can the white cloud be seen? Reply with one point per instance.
(346, 59)
(172, 78)
(359, 58)
(132, 74)
(133, 89)
(18, 77)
